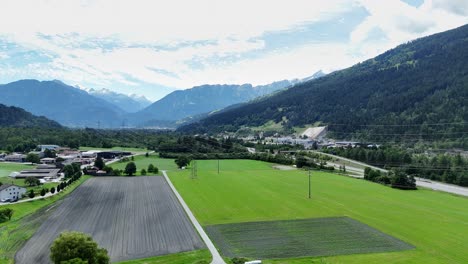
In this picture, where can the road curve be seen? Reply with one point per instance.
(217, 259)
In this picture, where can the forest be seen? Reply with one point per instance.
(416, 92)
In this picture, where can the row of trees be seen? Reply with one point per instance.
(26, 139)
(440, 167)
(72, 174)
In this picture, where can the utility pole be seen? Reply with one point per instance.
(309, 183)
(194, 169)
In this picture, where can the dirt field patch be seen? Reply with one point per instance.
(284, 167)
(132, 218)
(301, 238)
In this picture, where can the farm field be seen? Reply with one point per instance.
(142, 162)
(6, 168)
(298, 238)
(27, 217)
(132, 218)
(250, 191)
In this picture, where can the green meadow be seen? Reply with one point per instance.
(6, 168)
(244, 191)
(142, 162)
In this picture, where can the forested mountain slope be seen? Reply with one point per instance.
(417, 88)
(17, 117)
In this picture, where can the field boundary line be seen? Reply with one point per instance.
(217, 259)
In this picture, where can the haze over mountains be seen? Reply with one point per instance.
(74, 107)
(65, 104)
(422, 82)
(129, 103)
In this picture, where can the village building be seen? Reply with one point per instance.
(15, 157)
(51, 173)
(10, 192)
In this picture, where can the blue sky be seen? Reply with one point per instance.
(154, 47)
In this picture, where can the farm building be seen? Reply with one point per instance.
(39, 173)
(11, 192)
(113, 154)
(89, 154)
(48, 161)
(49, 147)
(15, 157)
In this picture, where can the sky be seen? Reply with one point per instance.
(153, 47)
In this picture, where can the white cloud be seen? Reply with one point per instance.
(183, 43)
(401, 22)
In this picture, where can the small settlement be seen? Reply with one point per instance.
(52, 160)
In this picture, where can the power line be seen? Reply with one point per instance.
(401, 125)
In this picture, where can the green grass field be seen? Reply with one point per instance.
(245, 191)
(27, 217)
(191, 257)
(7, 168)
(142, 162)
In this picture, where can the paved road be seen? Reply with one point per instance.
(217, 259)
(444, 187)
(434, 185)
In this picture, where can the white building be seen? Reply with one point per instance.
(49, 147)
(12, 192)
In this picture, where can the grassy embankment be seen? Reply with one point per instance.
(435, 223)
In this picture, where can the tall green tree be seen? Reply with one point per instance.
(99, 163)
(33, 158)
(31, 181)
(76, 246)
(68, 170)
(130, 168)
(182, 161)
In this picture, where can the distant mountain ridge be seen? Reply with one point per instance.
(203, 99)
(65, 104)
(77, 107)
(422, 82)
(18, 117)
(129, 103)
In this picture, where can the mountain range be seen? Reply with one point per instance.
(57, 101)
(75, 107)
(410, 89)
(128, 103)
(198, 100)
